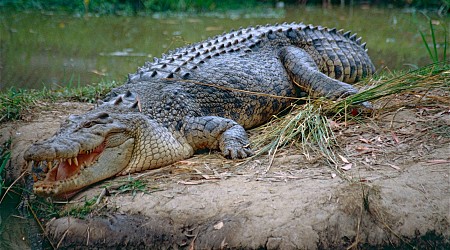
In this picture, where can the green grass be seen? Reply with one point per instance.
(14, 103)
(5, 156)
(433, 51)
(132, 185)
(81, 211)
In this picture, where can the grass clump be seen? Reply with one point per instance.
(14, 103)
(429, 77)
(309, 126)
(5, 155)
(83, 210)
(129, 185)
(304, 126)
(433, 49)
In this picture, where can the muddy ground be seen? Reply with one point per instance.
(391, 188)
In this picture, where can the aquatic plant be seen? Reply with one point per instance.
(433, 51)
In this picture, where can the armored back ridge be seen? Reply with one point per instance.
(200, 96)
(337, 54)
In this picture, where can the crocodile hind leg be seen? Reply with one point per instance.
(215, 132)
(305, 73)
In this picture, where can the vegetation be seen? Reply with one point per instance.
(17, 102)
(135, 6)
(133, 186)
(309, 126)
(5, 155)
(81, 211)
(433, 49)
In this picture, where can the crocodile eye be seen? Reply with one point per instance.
(90, 124)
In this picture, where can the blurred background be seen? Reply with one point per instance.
(60, 43)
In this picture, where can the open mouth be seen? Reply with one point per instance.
(47, 173)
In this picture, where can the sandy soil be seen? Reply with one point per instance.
(394, 190)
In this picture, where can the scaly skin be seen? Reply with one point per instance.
(201, 96)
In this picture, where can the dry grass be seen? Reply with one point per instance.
(309, 127)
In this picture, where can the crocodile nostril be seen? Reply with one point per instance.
(103, 115)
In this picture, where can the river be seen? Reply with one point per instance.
(53, 50)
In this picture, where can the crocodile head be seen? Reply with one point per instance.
(113, 139)
(88, 148)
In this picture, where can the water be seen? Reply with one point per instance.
(54, 50)
(13, 226)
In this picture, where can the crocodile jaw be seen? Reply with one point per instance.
(86, 150)
(66, 179)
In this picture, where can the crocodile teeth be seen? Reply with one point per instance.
(75, 160)
(70, 161)
(50, 164)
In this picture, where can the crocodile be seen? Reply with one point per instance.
(201, 96)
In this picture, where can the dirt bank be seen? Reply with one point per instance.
(394, 191)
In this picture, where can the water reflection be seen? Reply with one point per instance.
(13, 227)
(40, 50)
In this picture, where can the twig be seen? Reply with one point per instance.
(191, 246)
(39, 223)
(12, 184)
(62, 238)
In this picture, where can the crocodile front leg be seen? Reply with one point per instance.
(304, 72)
(215, 132)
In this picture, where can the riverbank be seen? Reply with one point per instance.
(388, 188)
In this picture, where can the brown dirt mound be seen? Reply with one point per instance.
(394, 192)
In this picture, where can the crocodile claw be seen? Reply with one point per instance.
(237, 153)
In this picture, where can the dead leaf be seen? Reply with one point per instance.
(364, 140)
(218, 225)
(362, 148)
(394, 166)
(100, 73)
(435, 22)
(343, 159)
(209, 177)
(333, 124)
(223, 244)
(347, 167)
(186, 162)
(394, 136)
(438, 161)
(190, 182)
